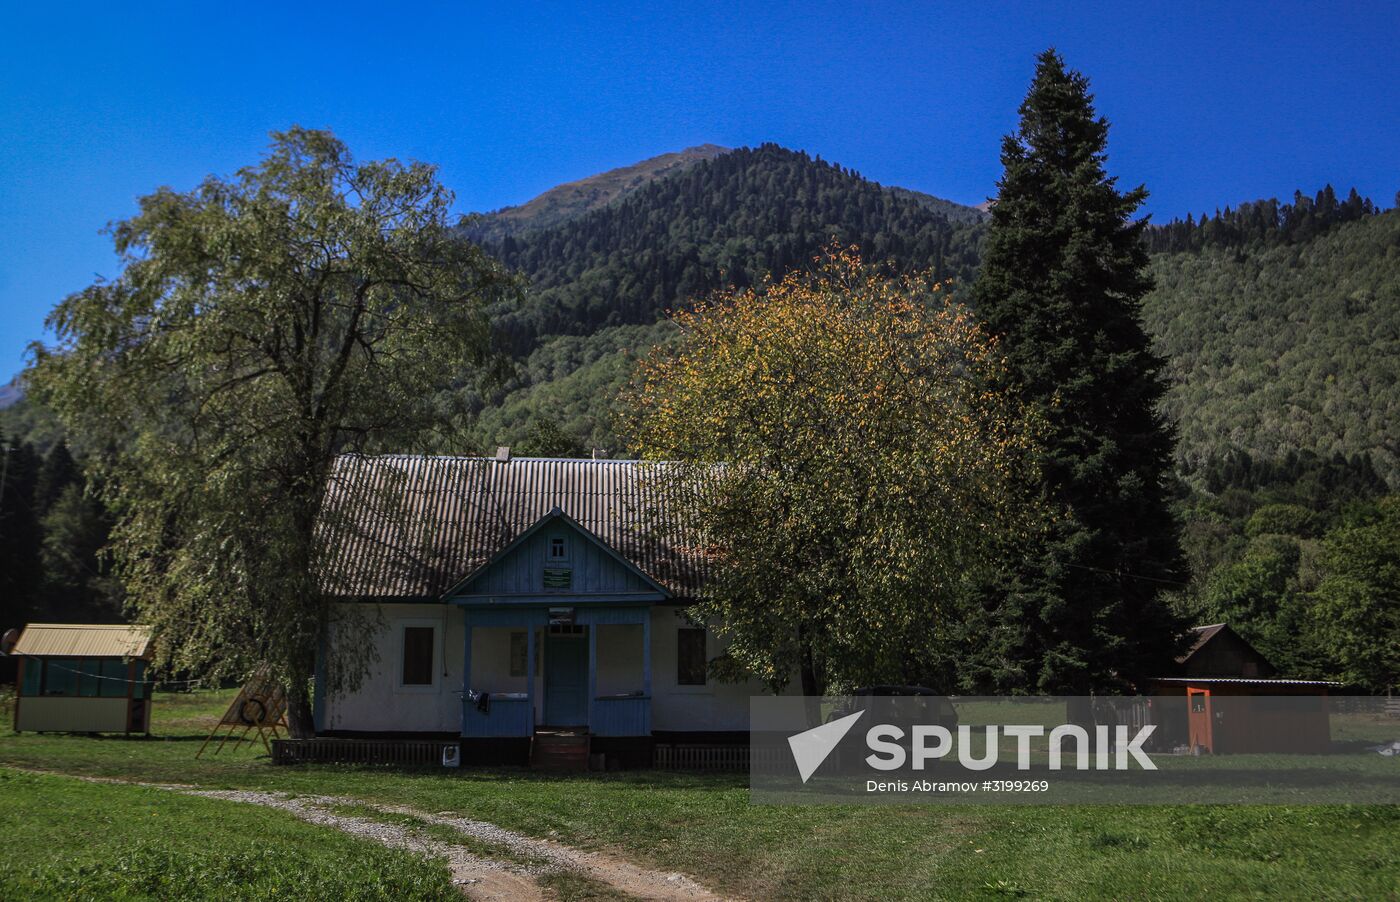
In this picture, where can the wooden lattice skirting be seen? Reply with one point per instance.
(706, 757)
(423, 752)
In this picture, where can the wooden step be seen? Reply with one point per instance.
(565, 751)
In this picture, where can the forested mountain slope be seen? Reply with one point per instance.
(1280, 322)
(1285, 345)
(729, 221)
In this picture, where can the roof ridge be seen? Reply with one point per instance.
(572, 460)
(87, 626)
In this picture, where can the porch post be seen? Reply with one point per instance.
(592, 672)
(318, 693)
(646, 652)
(466, 664)
(530, 670)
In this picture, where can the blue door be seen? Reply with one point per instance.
(565, 681)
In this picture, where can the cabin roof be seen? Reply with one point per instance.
(410, 526)
(78, 640)
(1203, 634)
(1251, 681)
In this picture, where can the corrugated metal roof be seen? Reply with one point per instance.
(401, 526)
(83, 640)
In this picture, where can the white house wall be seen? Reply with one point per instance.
(713, 707)
(381, 705)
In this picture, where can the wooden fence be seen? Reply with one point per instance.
(413, 752)
(719, 758)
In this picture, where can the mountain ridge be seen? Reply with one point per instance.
(572, 199)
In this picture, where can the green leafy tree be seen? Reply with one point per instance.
(78, 582)
(1283, 520)
(1358, 599)
(546, 438)
(848, 465)
(1062, 279)
(1261, 597)
(261, 325)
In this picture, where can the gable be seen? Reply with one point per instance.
(1224, 653)
(557, 556)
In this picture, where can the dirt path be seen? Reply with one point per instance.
(620, 875)
(487, 880)
(479, 876)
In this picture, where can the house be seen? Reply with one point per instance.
(82, 678)
(1226, 697)
(519, 603)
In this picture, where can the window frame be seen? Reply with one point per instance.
(681, 681)
(435, 671)
(523, 636)
(67, 676)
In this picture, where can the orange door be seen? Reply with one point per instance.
(1198, 720)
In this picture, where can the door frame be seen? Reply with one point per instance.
(1199, 724)
(578, 641)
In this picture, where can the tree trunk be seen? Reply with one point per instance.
(301, 723)
(813, 687)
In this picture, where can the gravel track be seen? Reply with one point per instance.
(482, 878)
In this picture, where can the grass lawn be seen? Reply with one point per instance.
(67, 839)
(706, 826)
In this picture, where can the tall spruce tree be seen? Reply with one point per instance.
(1061, 282)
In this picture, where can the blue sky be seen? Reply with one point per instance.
(1210, 103)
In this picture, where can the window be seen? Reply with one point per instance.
(558, 549)
(690, 656)
(114, 677)
(417, 656)
(89, 677)
(139, 686)
(60, 677)
(33, 675)
(519, 651)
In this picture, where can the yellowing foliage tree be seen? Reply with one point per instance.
(839, 443)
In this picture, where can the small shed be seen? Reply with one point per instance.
(1226, 697)
(83, 678)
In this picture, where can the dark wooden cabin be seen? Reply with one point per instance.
(1225, 697)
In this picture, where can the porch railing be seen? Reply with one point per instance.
(506, 715)
(621, 715)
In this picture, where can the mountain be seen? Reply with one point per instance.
(726, 222)
(953, 210)
(574, 199)
(1285, 343)
(602, 283)
(11, 393)
(1280, 321)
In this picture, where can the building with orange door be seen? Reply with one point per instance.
(1227, 698)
